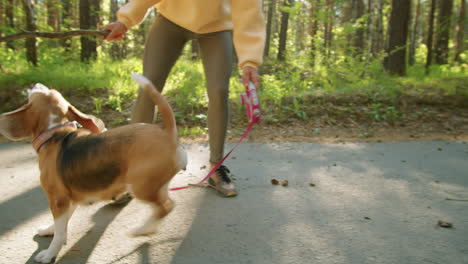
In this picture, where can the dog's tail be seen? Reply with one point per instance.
(159, 100)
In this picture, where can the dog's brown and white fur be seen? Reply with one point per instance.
(80, 165)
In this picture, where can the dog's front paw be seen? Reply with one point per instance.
(46, 231)
(44, 257)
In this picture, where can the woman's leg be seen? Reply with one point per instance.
(217, 55)
(163, 47)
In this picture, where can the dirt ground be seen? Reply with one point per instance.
(328, 120)
(301, 132)
(304, 132)
(439, 122)
(455, 128)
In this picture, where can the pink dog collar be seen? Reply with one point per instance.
(45, 135)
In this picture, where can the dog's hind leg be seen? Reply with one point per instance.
(162, 205)
(61, 210)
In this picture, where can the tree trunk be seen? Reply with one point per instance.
(66, 22)
(271, 11)
(300, 22)
(10, 13)
(380, 38)
(430, 35)
(53, 19)
(395, 62)
(53, 15)
(328, 27)
(284, 31)
(375, 28)
(30, 19)
(414, 33)
(2, 17)
(314, 9)
(353, 13)
(195, 49)
(370, 28)
(75, 13)
(300, 30)
(443, 31)
(460, 31)
(2, 22)
(358, 42)
(89, 10)
(116, 49)
(10, 19)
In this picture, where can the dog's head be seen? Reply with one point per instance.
(46, 108)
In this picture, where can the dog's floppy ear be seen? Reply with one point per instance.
(87, 121)
(14, 125)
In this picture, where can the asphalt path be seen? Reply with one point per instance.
(345, 203)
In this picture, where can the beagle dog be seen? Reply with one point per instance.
(80, 165)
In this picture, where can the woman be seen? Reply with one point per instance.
(216, 24)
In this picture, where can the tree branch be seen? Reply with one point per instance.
(65, 34)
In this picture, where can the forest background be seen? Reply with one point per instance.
(372, 70)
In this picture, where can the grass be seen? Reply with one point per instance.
(289, 90)
(57, 72)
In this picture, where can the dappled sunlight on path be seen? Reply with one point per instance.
(345, 203)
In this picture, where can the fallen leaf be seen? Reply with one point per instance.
(445, 224)
(274, 181)
(285, 183)
(312, 184)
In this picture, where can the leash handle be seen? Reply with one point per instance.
(251, 102)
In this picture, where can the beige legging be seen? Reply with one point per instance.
(163, 47)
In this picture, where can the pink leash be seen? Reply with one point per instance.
(221, 162)
(250, 100)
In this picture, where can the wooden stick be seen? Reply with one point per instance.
(64, 34)
(458, 200)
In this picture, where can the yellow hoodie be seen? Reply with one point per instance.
(244, 17)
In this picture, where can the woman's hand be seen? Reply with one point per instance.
(250, 74)
(117, 31)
